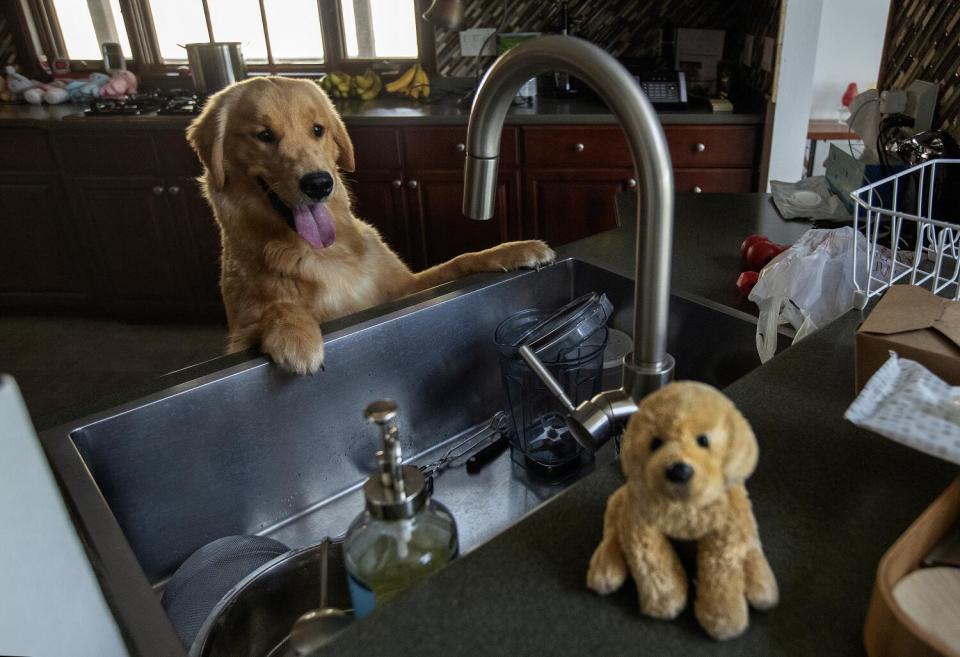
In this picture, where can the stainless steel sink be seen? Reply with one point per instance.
(252, 450)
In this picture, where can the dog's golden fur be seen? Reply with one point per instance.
(711, 508)
(276, 287)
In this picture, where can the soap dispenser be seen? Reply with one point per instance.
(403, 535)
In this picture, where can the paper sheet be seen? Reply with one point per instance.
(907, 403)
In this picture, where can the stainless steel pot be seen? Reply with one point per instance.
(215, 65)
(254, 619)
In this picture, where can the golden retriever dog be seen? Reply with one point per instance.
(686, 454)
(294, 255)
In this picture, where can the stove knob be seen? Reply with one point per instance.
(158, 191)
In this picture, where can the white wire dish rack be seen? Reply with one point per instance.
(907, 227)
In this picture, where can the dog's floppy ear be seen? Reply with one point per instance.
(207, 133)
(742, 450)
(339, 131)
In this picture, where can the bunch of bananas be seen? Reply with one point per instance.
(344, 85)
(414, 83)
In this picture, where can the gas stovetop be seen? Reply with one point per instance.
(149, 103)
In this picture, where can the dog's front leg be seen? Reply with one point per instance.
(656, 569)
(503, 257)
(608, 569)
(291, 336)
(721, 605)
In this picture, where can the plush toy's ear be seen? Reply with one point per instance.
(633, 441)
(742, 450)
(207, 133)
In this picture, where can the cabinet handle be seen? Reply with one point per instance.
(173, 189)
(579, 147)
(397, 184)
(700, 147)
(696, 189)
(632, 183)
(412, 184)
(158, 191)
(460, 148)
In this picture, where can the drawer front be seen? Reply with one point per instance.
(713, 180)
(444, 148)
(715, 145)
(576, 147)
(376, 149)
(107, 154)
(25, 150)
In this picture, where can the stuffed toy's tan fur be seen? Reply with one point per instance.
(276, 287)
(693, 424)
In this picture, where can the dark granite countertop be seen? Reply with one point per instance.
(380, 112)
(830, 499)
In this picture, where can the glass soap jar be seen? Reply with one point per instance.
(403, 535)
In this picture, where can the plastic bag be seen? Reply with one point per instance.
(808, 285)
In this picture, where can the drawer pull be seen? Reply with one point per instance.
(700, 147)
(460, 148)
(174, 190)
(696, 189)
(397, 184)
(579, 147)
(412, 184)
(158, 191)
(632, 183)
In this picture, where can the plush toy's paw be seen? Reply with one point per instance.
(722, 617)
(761, 585)
(666, 602)
(516, 255)
(608, 570)
(295, 346)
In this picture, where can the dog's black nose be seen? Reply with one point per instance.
(317, 185)
(679, 472)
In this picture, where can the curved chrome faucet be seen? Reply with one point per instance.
(649, 366)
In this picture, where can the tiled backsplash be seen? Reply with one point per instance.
(626, 28)
(923, 43)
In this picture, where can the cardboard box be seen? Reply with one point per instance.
(916, 324)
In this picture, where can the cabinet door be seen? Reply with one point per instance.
(436, 202)
(378, 200)
(39, 263)
(564, 206)
(132, 238)
(199, 242)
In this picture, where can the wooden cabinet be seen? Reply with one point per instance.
(567, 205)
(41, 264)
(199, 242)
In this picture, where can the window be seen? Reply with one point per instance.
(275, 35)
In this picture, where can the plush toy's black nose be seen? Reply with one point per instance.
(317, 185)
(679, 472)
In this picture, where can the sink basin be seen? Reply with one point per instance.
(252, 450)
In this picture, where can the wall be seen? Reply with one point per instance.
(923, 42)
(624, 27)
(849, 49)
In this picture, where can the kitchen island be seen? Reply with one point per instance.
(829, 498)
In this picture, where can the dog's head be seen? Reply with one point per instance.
(688, 443)
(285, 136)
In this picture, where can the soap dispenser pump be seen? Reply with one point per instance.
(403, 535)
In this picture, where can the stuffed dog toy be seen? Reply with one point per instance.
(686, 454)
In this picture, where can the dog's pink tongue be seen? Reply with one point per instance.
(314, 223)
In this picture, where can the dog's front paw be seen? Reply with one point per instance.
(663, 599)
(760, 583)
(607, 571)
(296, 347)
(516, 255)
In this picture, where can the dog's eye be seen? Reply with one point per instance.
(703, 440)
(317, 130)
(266, 135)
(656, 443)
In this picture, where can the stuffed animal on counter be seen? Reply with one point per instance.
(120, 85)
(35, 92)
(83, 91)
(686, 454)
